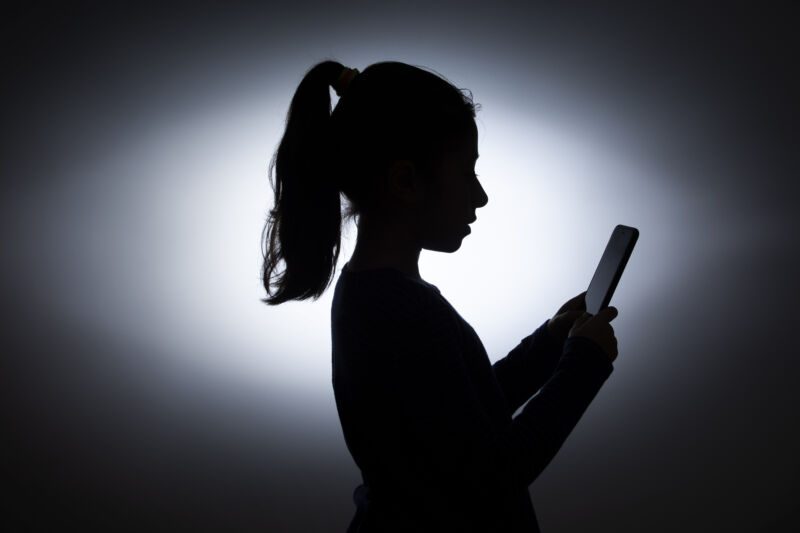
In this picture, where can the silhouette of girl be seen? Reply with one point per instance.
(425, 415)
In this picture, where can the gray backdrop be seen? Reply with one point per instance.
(117, 411)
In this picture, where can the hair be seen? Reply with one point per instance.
(390, 111)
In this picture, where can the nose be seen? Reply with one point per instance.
(482, 198)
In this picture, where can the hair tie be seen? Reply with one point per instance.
(344, 79)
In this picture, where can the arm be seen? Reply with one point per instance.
(453, 438)
(525, 369)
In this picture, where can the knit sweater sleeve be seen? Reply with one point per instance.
(525, 369)
(452, 434)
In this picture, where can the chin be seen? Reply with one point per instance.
(447, 243)
(446, 247)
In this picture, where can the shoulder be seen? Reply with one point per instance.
(386, 299)
(384, 288)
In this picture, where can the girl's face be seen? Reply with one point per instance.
(455, 194)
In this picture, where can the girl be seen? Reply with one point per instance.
(425, 415)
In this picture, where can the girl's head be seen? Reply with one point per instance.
(392, 118)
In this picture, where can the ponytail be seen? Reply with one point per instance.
(304, 226)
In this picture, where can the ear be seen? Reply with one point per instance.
(404, 182)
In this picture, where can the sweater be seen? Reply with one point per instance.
(428, 419)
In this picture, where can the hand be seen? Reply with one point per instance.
(597, 328)
(558, 327)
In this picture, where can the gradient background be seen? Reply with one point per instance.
(145, 386)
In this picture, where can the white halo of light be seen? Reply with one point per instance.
(183, 224)
(176, 260)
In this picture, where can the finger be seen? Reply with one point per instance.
(608, 314)
(576, 303)
(580, 301)
(611, 342)
(570, 316)
(580, 297)
(582, 319)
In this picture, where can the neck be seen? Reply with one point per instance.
(382, 245)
